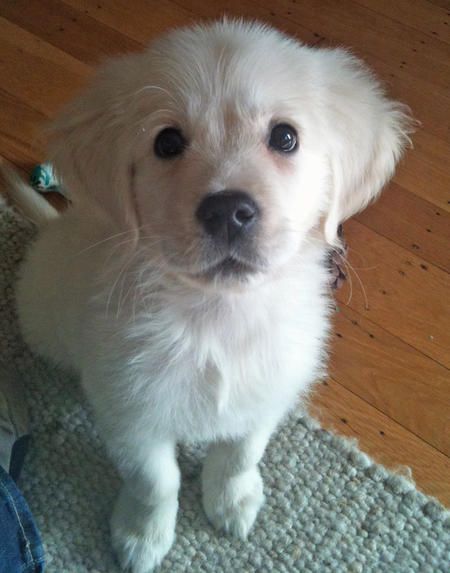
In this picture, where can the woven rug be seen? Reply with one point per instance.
(328, 507)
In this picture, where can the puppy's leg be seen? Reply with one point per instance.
(143, 521)
(231, 482)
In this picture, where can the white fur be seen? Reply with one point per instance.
(108, 287)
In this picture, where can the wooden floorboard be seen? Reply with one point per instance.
(62, 26)
(372, 33)
(20, 131)
(39, 75)
(413, 223)
(389, 443)
(417, 14)
(145, 20)
(398, 291)
(392, 376)
(426, 172)
(390, 354)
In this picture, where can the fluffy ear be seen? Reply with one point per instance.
(92, 143)
(369, 135)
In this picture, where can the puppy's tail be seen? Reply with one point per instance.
(30, 203)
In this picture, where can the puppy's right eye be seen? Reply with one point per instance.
(283, 138)
(169, 143)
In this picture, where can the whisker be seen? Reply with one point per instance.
(363, 290)
(110, 237)
(350, 280)
(366, 268)
(119, 300)
(102, 242)
(156, 88)
(366, 300)
(119, 276)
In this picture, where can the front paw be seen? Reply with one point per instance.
(142, 541)
(232, 504)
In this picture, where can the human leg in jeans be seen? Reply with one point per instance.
(20, 545)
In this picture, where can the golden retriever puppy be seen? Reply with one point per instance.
(187, 282)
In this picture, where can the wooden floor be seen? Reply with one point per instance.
(389, 383)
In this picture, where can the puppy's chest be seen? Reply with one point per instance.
(215, 373)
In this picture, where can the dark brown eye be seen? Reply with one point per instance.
(169, 143)
(283, 138)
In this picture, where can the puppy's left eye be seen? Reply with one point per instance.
(169, 143)
(283, 137)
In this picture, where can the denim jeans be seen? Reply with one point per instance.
(21, 550)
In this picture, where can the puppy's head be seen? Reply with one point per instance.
(225, 145)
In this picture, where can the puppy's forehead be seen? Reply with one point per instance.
(242, 70)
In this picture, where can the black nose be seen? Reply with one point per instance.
(228, 215)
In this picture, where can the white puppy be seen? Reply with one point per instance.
(187, 283)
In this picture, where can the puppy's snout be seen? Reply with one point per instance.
(228, 215)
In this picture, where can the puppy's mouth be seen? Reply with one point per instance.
(228, 270)
(229, 267)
